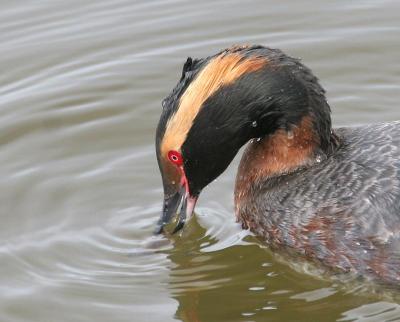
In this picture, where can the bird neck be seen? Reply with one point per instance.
(281, 152)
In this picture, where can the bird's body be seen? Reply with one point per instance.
(342, 211)
(329, 195)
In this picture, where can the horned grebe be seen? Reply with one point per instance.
(332, 196)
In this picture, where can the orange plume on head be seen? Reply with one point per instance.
(221, 70)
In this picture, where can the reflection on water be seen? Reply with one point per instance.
(80, 89)
(382, 311)
(245, 282)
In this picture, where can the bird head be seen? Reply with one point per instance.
(219, 104)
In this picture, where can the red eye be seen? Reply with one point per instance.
(175, 157)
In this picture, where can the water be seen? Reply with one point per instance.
(81, 86)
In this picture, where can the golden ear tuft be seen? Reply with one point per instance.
(221, 70)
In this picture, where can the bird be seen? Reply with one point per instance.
(327, 195)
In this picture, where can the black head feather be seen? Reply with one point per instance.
(256, 104)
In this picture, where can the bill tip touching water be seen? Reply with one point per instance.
(306, 189)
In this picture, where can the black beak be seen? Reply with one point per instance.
(170, 206)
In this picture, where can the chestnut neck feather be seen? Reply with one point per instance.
(283, 151)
